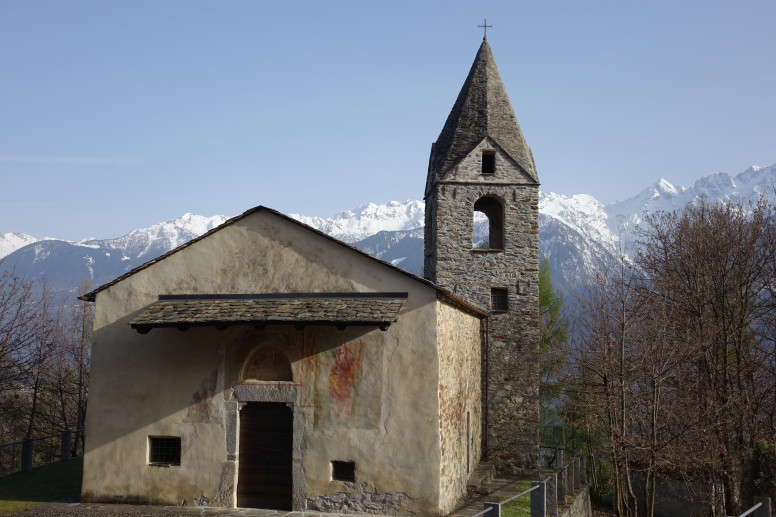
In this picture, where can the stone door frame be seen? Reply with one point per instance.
(269, 392)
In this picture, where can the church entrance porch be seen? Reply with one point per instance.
(266, 442)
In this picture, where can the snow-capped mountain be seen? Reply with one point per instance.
(12, 241)
(750, 185)
(369, 219)
(66, 265)
(577, 233)
(148, 243)
(574, 237)
(608, 224)
(402, 248)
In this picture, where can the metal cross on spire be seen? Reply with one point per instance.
(485, 27)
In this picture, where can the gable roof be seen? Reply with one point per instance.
(482, 109)
(441, 293)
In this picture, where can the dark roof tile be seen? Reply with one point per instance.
(375, 309)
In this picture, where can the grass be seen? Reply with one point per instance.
(24, 490)
(520, 507)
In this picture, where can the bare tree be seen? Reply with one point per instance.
(607, 316)
(661, 420)
(44, 363)
(711, 267)
(74, 373)
(675, 353)
(16, 317)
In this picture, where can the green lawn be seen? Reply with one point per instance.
(520, 507)
(43, 485)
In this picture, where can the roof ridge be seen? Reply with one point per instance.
(91, 296)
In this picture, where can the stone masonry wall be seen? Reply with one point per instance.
(512, 356)
(580, 506)
(459, 402)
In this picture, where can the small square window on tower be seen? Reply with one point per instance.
(164, 451)
(343, 471)
(499, 299)
(488, 162)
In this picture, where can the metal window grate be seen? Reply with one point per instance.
(164, 450)
(499, 299)
(343, 471)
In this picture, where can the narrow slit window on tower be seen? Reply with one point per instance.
(343, 471)
(488, 162)
(499, 299)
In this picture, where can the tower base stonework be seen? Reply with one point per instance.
(511, 360)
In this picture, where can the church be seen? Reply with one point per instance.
(266, 364)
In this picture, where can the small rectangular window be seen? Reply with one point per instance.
(164, 451)
(499, 299)
(343, 471)
(488, 162)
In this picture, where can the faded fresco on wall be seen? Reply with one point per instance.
(345, 375)
(199, 407)
(268, 364)
(343, 391)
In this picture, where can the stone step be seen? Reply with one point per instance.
(481, 480)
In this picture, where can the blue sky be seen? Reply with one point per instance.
(118, 115)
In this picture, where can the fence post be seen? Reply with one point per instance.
(563, 484)
(27, 455)
(576, 473)
(539, 499)
(558, 458)
(582, 468)
(495, 509)
(765, 509)
(66, 440)
(552, 494)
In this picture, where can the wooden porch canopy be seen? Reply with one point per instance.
(298, 309)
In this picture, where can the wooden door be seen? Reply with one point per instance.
(266, 438)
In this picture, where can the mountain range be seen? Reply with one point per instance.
(577, 233)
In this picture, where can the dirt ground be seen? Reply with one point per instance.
(601, 511)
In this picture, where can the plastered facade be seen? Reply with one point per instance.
(460, 368)
(395, 418)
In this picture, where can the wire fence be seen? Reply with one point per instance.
(27, 454)
(554, 491)
(495, 508)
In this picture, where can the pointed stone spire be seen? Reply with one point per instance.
(481, 110)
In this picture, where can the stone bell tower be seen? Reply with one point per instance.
(481, 175)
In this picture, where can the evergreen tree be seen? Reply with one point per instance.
(553, 330)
